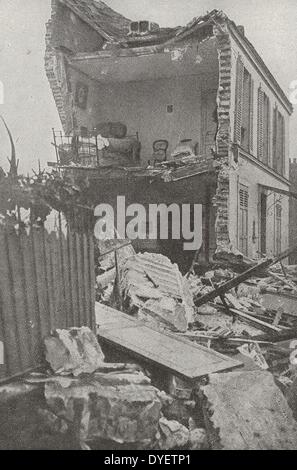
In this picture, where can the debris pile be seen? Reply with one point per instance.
(241, 305)
(94, 404)
(73, 351)
(182, 393)
(154, 289)
(119, 406)
(237, 321)
(231, 320)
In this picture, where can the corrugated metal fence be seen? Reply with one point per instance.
(46, 282)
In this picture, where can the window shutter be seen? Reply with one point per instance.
(274, 140)
(260, 128)
(243, 197)
(243, 219)
(278, 142)
(283, 146)
(251, 124)
(238, 100)
(278, 228)
(278, 211)
(268, 129)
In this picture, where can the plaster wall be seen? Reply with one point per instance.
(143, 107)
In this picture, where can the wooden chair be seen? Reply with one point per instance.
(160, 148)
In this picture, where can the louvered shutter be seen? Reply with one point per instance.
(251, 124)
(278, 229)
(238, 100)
(279, 142)
(274, 140)
(243, 219)
(260, 124)
(268, 129)
(283, 145)
(243, 197)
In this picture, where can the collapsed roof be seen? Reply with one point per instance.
(114, 28)
(107, 22)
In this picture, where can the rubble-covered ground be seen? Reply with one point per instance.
(87, 397)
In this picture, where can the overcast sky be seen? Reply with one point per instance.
(29, 109)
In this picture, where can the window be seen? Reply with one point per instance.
(278, 228)
(263, 127)
(278, 142)
(246, 134)
(243, 220)
(244, 99)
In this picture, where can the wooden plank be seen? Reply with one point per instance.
(55, 281)
(86, 279)
(63, 278)
(3, 366)
(11, 345)
(50, 277)
(175, 354)
(252, 319)
(31, 294)
(79, 271)
(15, 260)
(66, 279)
(92, 280)
(61, 317)
(107, 317)
(41, 286)
(73, 278)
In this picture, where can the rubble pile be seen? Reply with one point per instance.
(121, 407)
(245, 298)
(239, 322)
(153, 288)
(74, 351)
(93, 403)
(88, 403)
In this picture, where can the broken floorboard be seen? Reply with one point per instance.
(245, 410)
(176, 355)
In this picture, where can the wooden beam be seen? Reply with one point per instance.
(252, 319)
(223, 288)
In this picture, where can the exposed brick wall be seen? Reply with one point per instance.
(221, 198)
(65, 33)
(50, 62)
(293, 209)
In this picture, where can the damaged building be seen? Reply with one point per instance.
(124, 344)
(190, 114)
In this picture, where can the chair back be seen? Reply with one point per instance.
(160, 148)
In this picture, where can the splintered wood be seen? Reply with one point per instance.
(246, 410)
